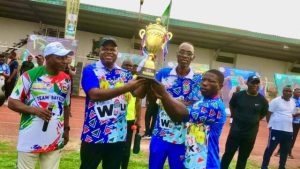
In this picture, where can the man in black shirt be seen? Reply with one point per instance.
(247, 109)
(12, 79)
(26, 65)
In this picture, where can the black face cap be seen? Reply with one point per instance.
(108, 40)
(253, 79)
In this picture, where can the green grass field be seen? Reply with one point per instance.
(70, 160)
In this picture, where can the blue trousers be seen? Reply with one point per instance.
(160, 150)
(277, 137)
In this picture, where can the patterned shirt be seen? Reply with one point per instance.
(180, 88)
(37, 88)
(105, 121)
(4, 68)
(130, 115)
(297, 119)
(206, 120)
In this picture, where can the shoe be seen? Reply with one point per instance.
(290, 156)
(146, 137)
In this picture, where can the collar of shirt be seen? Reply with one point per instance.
(190, 75)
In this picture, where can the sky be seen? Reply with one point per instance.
(275, 17)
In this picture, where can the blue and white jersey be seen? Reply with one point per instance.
(181, 89)
(206, 120)
(105, 121)
(4, 68)
(297, 119)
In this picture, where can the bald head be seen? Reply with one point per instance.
(187, 45)
(185, 54)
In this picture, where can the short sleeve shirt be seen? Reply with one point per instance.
(282, 114)
(206, 120)
(248, 111)
(105, 121)
(13, 64)
(5, 68)
(26, 65)
(180, 88)
(37, 88)
(131, 106)
(297, 101)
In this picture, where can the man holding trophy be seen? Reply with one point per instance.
(168, 137)
(107, 88)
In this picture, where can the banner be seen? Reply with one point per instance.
(271, 91)
(199, 68)
(72, 11)
(282, 80)
(37, 43)
(233, 78)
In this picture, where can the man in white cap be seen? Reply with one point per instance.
(42, 96)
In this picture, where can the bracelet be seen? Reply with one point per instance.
(67, 128)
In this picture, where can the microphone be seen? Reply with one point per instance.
(45, 126)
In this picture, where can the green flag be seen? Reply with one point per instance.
(166, 15)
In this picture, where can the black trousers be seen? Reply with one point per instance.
(9, 87)
(296, 127)
(127, 147)
(277, 137)
(109, 154)
(236, 141)
(150, 118)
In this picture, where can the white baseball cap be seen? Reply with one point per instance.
(56, 48)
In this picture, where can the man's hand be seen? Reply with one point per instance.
(66, 136)
(158, 90)
(187, 103)
(8, 80)
(42, 113)
(5, 75)
(296, 115)
(135, 83)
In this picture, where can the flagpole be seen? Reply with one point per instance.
(169, 17)
(140, 10)
(138, 21)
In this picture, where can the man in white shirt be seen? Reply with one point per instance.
(280, 117)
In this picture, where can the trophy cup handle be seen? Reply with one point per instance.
(170, 35)
(142, 33)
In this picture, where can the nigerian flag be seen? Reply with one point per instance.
(166, 15)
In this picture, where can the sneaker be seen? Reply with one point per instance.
(146, 137)
(290, 156)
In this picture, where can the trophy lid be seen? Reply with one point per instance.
(157, 26)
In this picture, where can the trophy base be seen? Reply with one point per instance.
(147, 73)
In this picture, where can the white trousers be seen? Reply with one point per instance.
(49, 160)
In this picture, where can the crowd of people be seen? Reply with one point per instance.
(188, 112)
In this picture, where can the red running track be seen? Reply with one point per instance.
(9, 122)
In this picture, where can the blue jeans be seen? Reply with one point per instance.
(277, 137)
(160, 150)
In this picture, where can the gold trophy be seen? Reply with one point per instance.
(154, 38)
